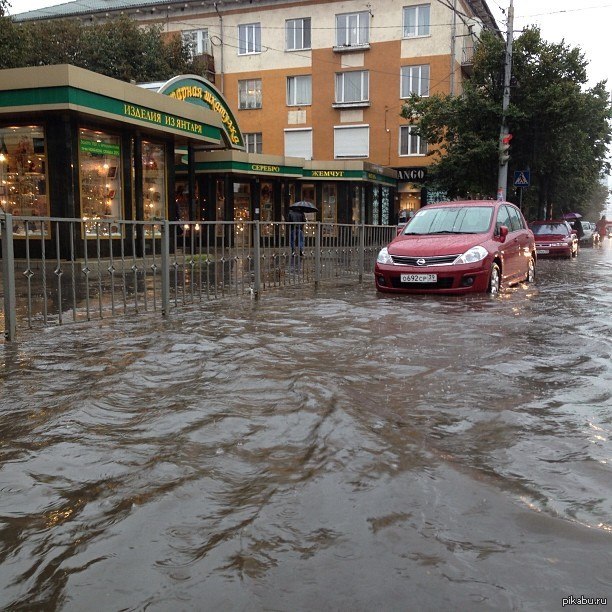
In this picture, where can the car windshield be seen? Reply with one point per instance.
(549, 228)
(451, 220)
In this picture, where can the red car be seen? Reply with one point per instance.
(555, 239)
(458, 247)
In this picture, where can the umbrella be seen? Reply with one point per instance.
(304, 206)
(571, 216)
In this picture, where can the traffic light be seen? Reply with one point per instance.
(504, 149)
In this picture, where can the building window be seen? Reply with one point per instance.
(352, 86)
(249, 38)
(297, 34)
(414, 80)
(249, 93)
(299, 90)
(416, 20)
(410, 142)
(197, 42)
(23, 175)
(252, 142)
(298, 143)
(353, 29)
(351, 141)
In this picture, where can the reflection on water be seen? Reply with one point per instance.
(332, 450)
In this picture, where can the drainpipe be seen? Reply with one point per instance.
(221, 37)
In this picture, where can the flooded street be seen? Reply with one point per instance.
(330, 450)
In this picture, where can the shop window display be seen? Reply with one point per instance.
(267, 209)
(219, 208)
(23, 178)
(308, 194)
(375, 204)
(242, 214)
(154, 181)
(329, 211)
(100, 165)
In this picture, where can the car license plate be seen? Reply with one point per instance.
(542, 251)
(419, 278)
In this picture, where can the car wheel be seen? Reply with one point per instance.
(494, 279)
(530, 278)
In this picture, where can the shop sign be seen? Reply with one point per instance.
(265, 168)
(202, 92)
(414, 175)
(99, 148)
(327, 174)
(171, 121)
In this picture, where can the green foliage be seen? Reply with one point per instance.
(561, 131)
(119, 48)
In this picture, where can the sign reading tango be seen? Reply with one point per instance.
(415, 175)
(198, 90)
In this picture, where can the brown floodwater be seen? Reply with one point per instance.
(316, 450)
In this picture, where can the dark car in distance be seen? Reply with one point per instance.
(555, 238)
(458, 247)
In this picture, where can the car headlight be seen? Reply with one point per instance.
(384, 257)
(473, 255)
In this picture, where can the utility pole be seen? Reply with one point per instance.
(453, 47)
(504, 136)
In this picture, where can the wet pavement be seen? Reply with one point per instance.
(330, 450)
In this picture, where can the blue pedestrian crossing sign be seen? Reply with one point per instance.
(521, 178)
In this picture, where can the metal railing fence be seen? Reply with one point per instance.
(60, 270)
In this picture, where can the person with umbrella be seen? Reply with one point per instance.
(297, 218)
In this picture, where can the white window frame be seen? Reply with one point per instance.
(353, 29)
(251, 142)
(415, 145)
(341, 88)
(413, 24)
(251, 91)
(298, 34)
(249, 38)
(305, 153)
(293, 96)
(198, 41)
(414, 80)
(342, 150)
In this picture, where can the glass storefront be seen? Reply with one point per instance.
(309, 194)
(154, 182)
(329, 212)
(220, 207)
(267, 209)
(242, 214)
(100, 172)
(23, 175)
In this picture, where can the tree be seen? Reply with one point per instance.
(560, 130)
(4, 7)
(119, 48)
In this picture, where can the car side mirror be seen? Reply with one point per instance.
(502, 232)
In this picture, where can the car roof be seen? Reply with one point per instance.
(463, 203)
